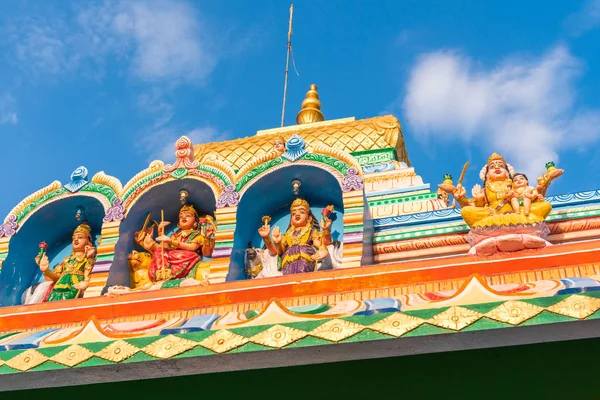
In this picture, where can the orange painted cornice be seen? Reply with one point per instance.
(316, 283)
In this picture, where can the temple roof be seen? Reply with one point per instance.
(347, 134)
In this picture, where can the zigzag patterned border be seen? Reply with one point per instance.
(447, 320)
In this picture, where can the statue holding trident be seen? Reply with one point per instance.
(179, 255)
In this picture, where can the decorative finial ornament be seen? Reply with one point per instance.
(184, 151)
(78, 179)
(311, 108)
(295, 148)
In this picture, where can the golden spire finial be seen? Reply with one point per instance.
(311, 108)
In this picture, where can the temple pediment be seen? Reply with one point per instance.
(352, 136)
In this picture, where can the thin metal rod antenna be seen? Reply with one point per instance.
(287, 65)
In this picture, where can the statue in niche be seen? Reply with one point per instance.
(179, 255)
(506, 214)
(305, 241)
(72, 276)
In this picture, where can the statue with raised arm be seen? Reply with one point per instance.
(179, 255)
(72, 276)
(505, 204)
(491, 204)
(303, 244)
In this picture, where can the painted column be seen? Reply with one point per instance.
(353, 228)
(226, 219)
(353, 197)
(219, 266)
(104, 259)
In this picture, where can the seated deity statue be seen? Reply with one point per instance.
(179, 255)
(492, 205)
(303, 244)
(72, 276)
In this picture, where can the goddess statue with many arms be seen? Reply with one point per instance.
(179, 255)
(491, 205)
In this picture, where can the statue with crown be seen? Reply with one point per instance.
(70, 278)
(506, 214)
(179, 256)
(304, 242)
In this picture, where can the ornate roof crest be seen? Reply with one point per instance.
(295, 148)
(184, 151)
(78, 180)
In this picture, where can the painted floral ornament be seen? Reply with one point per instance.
(327, 211)
(295, 148)
(43, 246)
(78, 179)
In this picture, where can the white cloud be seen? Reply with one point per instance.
(8, 110)
(585, 19)
(168, 40)
(524, 109)
(42, 48)
(162, 40)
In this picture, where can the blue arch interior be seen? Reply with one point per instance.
(272, 195)
(54, 224)
(163, 197)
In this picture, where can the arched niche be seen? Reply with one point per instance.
(272, 195)
(54, 224)
(161, 197)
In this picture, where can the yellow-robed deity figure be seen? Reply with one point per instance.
(491, 206)
(72, 276)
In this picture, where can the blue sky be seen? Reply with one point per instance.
(111, 85)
